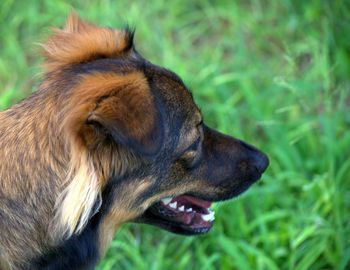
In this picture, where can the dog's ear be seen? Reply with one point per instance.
(103, 105)
(132, 117)
(123, 107)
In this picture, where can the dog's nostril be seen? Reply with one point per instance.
(261, 162)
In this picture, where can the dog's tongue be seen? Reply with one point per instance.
(184, 199)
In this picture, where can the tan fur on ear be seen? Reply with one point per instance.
(81, 41)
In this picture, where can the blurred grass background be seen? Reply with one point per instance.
(274, 73)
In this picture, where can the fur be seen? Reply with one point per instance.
(106, 136)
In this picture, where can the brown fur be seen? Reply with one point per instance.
(106, 136)
(59, 147)
(81, 41)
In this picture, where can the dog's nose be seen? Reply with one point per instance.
(258, 159)
(261, 162)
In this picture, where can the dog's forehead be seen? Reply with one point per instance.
(182, 113)
(174, 92)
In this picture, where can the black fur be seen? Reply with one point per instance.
(78, 252)
(130, 33)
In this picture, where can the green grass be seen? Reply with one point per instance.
(274, 73)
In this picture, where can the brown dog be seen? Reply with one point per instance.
(108, 138)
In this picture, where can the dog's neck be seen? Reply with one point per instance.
(29, 139)
(34, 164)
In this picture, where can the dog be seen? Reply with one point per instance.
(108, 138)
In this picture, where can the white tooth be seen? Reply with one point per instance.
(167, 200)
(189, 210)
(209, 217)
(182, 208)
(173, 205)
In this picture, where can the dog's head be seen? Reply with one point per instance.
(139, 148)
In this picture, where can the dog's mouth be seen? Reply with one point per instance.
(183, 214)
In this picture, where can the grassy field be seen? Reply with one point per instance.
(274, 73)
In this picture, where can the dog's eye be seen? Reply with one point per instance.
(194, 146)
(191, 152)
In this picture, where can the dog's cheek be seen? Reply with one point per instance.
(120, 207)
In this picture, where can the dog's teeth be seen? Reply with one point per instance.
(209, 217)
(189, 210)
(182, 208)
(173, 205)
(167, 200)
